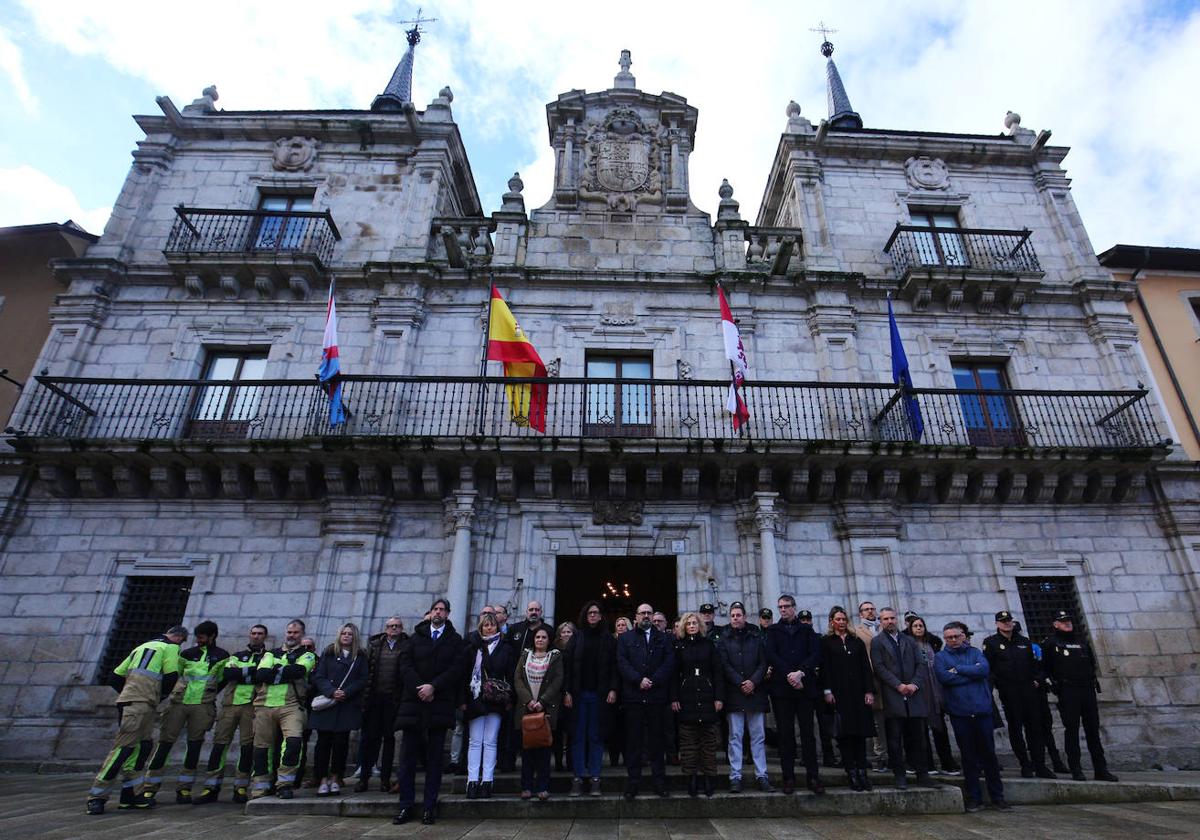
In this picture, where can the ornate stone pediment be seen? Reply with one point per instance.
(622, 161)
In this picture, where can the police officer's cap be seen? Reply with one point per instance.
(1063, 615)
(737, 605)
(1004, 615)
(707, 608)
(765, 612)
(804, 615)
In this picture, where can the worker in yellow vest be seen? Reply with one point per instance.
(282, 678)
(237, 715)
(193, 706)
(144, 678)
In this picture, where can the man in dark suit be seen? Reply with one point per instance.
(904, 679)
(430, 690)
(794, 653)
(645, 660)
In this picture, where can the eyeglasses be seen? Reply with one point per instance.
(394, 626)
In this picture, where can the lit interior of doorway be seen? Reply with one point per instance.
(618, 583)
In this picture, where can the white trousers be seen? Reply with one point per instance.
(758, 742)
(483, 733)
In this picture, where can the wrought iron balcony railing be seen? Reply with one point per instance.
(914, 247)
(671, 410)
(199, 231)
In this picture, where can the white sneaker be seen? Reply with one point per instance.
(335, 788)
(323, 790)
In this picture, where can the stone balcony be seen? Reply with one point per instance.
(603, 440)
(986, 268)
(261, 252)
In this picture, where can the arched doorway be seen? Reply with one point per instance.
(618, 583)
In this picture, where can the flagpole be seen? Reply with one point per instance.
(487, 330)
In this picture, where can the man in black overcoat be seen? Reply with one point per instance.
(645, 661)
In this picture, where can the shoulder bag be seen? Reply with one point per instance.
(324, 701)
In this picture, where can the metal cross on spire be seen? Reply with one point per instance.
(826, 47)
(414, 34)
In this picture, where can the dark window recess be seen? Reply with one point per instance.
(942, 245)
(1196, 310)
(149, 605)
(618, 407)
(1042, 597)
(225, 411)
(282, 233)
(991, 419)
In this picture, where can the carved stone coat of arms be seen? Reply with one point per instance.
(621, 165)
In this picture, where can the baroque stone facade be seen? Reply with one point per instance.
(430, 488)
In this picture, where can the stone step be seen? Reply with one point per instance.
(1064, 791)
(942, 800)
(613, 780)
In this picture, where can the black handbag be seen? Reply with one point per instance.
(496, 693)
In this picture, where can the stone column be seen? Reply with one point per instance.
(765, 518)
(460, 514)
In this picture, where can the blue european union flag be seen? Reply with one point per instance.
(901, 377)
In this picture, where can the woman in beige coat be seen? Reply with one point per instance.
(538, 686)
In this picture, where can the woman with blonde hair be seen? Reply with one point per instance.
(487, 656)
(341, 675)
(697, 695)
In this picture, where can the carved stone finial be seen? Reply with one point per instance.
(513, 201)
(728, 208)
(796, 123)
(204, 105)
(446, 93)
(1012, 121)
(625, 79)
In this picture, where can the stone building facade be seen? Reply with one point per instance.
(1042, 476)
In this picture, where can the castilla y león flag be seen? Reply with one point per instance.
(508, 344)
(736, 354)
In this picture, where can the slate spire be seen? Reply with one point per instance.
(841, 114)
(399, 88)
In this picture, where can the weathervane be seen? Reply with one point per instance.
(826, 46)
(414, 34)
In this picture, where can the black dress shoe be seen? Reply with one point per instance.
(1078, 776)
(405, 815)
(428, 818)
(814, 784)
(660, 787)
(735, 785)
(1059, 767)
(693, 785)
(1027, 772)
(363, 784)
(485, 790)
(710, 785)
(472, 790)
(1105, 776)
(631, 792)
(1044, 773)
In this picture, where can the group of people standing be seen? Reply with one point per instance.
(530, 689)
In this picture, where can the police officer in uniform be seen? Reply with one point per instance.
(282, 678)
(144, 678)
(1071, 668)
(193, 707)
(237, 715)
(1017, 677)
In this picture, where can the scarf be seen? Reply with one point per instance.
(477, 671)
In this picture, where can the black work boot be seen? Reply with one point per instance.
(95, 807)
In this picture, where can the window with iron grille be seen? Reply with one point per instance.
(1042, 597)
(149, 605)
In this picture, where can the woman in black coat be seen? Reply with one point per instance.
(341, 674)
(487, 656)
(848, 686)
(697, 695)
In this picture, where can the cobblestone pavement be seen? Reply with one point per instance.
(52, 807)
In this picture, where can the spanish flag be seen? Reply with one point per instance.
(508, 344)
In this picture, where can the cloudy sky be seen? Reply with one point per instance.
(1109, 77)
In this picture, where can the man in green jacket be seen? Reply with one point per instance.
(282, 678)
(236, 716)
(193, 706)
(144, 678)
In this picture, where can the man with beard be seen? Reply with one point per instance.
(430, 691)
(645, 660)
(282, 678)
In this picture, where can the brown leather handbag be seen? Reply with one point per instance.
(535, 731)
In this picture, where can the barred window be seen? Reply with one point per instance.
(149, 605)
(1042, 597)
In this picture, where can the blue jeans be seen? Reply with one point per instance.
(978, 747)
(587, 747)
(758, 745)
